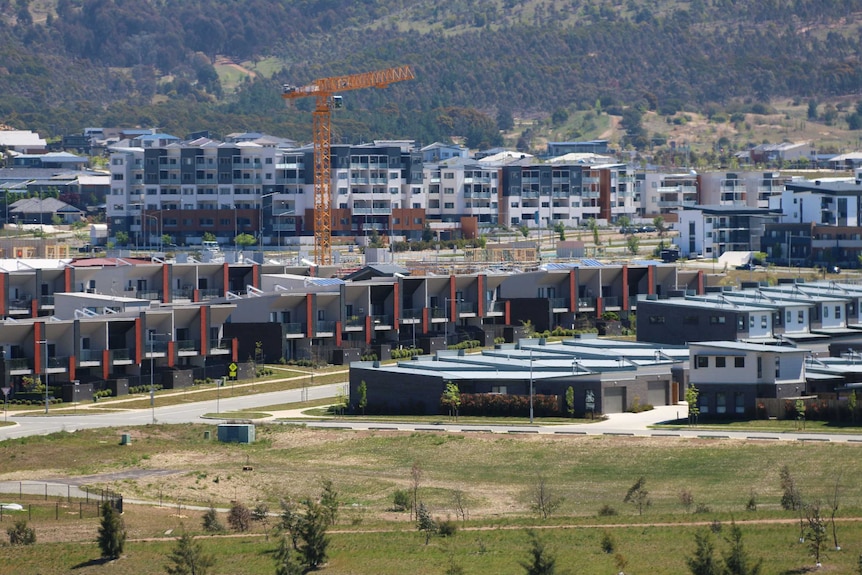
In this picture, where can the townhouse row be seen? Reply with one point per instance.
(103, 319)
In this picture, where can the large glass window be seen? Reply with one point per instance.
(721, 402)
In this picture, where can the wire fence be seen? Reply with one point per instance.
(46, 500)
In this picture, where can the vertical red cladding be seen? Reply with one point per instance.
(625, 301)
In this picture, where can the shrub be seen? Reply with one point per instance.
(447, 528)
(401, 500)
(20, 534)
(607, 511)
(608, 543)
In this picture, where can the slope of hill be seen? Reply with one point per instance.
(71, 63)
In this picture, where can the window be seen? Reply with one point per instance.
(788, 317)
(739, 361)
(777, 368)
(837, 312)
(717, 319)
(702, 361)
(825, 311)
(721, 402)
(759, 367)
(740, 323)
(751, 321)
(763, 322)
(656, 319)
(739, 402)
(501, 389)
(449, 205)
(800, 315)
(703, 400)
(720, 361)
(448, 190)
(448, 175)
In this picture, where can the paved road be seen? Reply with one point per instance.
(185, 413)
(633, 424)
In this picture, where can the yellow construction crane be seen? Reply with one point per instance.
(324, 91)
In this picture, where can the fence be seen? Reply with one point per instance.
(69, 501)
(816, 409)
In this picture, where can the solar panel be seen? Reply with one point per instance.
(591, 262)
(326, 281)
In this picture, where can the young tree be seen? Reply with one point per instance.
(703, 562)
(312, 533)
(541, 562)
(211, 523)
(260, 514)
(593, 225)
(425, 523)
(638, 495)
(329, 502)
(609, 544)
(543, 499)
(112, 532)
(20, 534)
(737, 560)
(239, 517)
(363, 396)
(815, 533)
(451, 399)
(188, 558)
(691, 394)
(633, 244)
(460, 505)
(570, 401)
(791, 499)
(686, 497)
(289, 521)
(244, 240)
(851, 399)
(286, 560)
(415, 482)
(833, 507)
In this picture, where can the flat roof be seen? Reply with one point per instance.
(738, 345)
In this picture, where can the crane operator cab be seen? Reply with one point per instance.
(337, 102)
(288, 89)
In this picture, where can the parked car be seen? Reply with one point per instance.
(833, 269)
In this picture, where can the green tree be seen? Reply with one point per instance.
(244, 240)
(286, 560)
(312, 533)
(691, 395)
(451, 399)
(209, 237)
(791, 498)
(122, 238)
(851, 405)
(166, 239)
(815, 533)
(543, 500)
(736, 559)
(541, 561)
(633, 244)
(425, 523)
(703, 562)
(329, 502)
(188, 558)
(363, 396)
(570, 401)
(638, 496)
(593, 225)
(112, 532)
(211, 523)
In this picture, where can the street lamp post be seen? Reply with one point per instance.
(531, 386)
(45, 370)
(158, 229)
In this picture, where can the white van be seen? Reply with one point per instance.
(210, 246)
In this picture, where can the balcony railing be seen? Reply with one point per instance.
(381, 320)
(58, 362)
(586, 302)
(467, 307)
(123, 354)
(496, 306)
(354, 321)
(182, 293)
(559, 303)
(438, 313)
(187, 345)
(220, 344)
(612, 301)
(46, 300)
(90, 355)
(325, 326)
(293, 329)
(209, 293)
(150, 295)
(19, 363)
(157, 346)
(411, 313)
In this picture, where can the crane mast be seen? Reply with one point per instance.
(324, 91)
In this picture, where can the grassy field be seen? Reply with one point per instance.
(495, 474)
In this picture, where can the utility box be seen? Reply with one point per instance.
(236, 432)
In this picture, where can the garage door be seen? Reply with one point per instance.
(614, 400)
(657, 392)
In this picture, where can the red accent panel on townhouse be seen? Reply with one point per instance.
(38, 331)
(309, 313)
(139, 341)
(172, 355)
(205, 343)
(338, 333)
(625, 288)
(72, 363)
(651, 280)
(106, 363)
(480, 287)
(368, 329)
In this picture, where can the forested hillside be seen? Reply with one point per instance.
(71, 63)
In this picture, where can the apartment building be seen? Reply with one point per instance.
(713, 230)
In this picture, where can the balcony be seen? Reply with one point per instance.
(46, 301)
(293, 330)
(495, 307)
(156, 347)
(467, 307)
(372, 211)
(354, 322)
(586, 303)
(559, 304)
(411, 315)
(324, 327)
(611, 301)
(219, 346)
(89, 356)
(184, 293)
(58, 363)
(20, 364)
(209, 293)
(381, 321)
(187, 346)
(150, 295)
(438, 313)
(122, 356)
